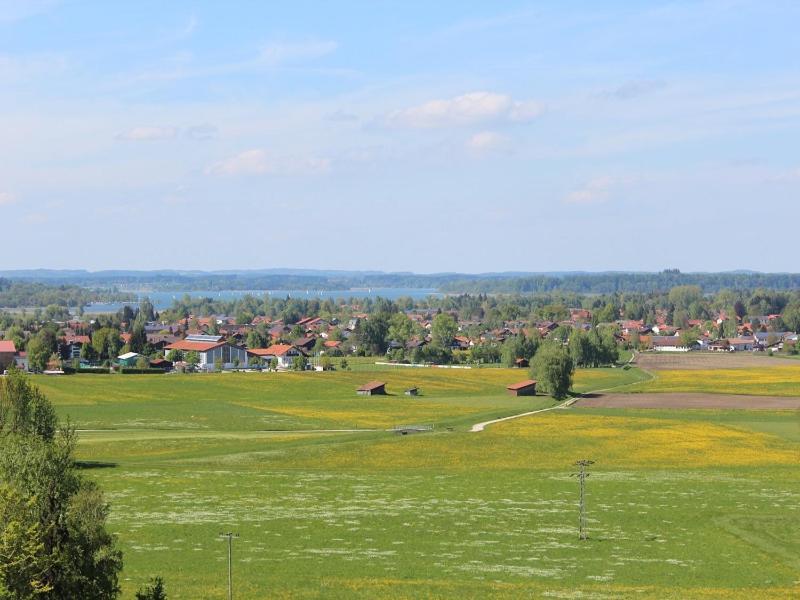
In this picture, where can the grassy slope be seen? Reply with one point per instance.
(292, 401)
(692, 504)
(677, 506)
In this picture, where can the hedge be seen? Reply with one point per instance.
(135, 371)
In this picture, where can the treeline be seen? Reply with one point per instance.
(495, 283)
(610, 283)
(17, 294)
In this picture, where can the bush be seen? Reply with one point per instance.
(135, 371)
(153, 590)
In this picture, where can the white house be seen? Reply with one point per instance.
(211, 348)
(669, 343)
(283, 353)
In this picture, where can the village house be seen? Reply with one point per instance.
(668, 343)
(211, 348)
(283, 353)
(741, 344)
(7, 354)
(71, 346)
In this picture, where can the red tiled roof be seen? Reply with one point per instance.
(7, 346)
(193, 346)
(274, 350)
(521, 384)
(332, 343)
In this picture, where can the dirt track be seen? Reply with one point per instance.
(711, 401)
(658, 361)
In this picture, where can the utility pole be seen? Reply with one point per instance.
(230, 537)
(583, 532)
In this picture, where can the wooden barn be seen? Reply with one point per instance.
(523, 388)
(373, 388)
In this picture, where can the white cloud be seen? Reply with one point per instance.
(594, 191)
(7, 198)
(260, 162)
(485, 141)
(149, 134)
(278, 53)
(474, 107)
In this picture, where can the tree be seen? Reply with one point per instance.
(218, 364)
(443, 330)
(146, 310)
(174, 356)
(256, 340)
(192, 359)
(138, 340)
(372, 333)
(401, 328)
(38, 354)
(153, 590)
(299, 363)
(24, 564)
(24, 410)
(689, 337)
(63, 515)
(326, 363)
(552, 367)
(256, 362)
(142, 362)
(273, 363)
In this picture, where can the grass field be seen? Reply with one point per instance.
(767, 381)
(682, 504)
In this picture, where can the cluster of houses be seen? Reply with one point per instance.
(749, 338)
(220, 342)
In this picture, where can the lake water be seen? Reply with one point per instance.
(164, 300)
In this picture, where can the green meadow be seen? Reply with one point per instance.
(682, 504)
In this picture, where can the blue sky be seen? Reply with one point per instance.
(420, 136)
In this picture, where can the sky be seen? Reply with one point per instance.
(400, 136)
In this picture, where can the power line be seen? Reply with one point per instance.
(583, 530)
(230, 537)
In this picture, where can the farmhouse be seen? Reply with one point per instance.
(523, 388)
(283, 353)
(741, 344)
(71, 345)
(211, 348)
(373, 388)
(668, 343)
(7, 352)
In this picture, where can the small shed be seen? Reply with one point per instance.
(413, 391)
(128, 359)
(523, 388)
(161, 363)
(373, 388)
(521, 363)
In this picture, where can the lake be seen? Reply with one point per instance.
(164, 300)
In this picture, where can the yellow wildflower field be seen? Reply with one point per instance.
(769, 381)
(555, 439)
